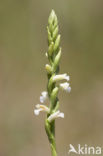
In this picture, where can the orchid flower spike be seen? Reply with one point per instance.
(55, 115)
(53, 55)
(43, 96)
(40, 108)
(61, 77)
(65, 86)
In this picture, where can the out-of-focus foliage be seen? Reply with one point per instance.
(22, 75)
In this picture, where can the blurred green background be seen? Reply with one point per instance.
(23, 43)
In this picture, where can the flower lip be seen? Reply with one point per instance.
(43, 96)
(65, 86)
(61, 77)
(69, 89)
(37, 111)
(44, 93)
(40, 108)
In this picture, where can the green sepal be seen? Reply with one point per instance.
(50, 84)
(50, 49)
(49, 36)
(55, 24)
(56, 61)
(57, 42)
(47, 128)
(53, 97)
(55, 33)
(56, 107)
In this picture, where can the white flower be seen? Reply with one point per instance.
(61, 77)
(40, 108)
(43, 96)
(55, 115)
(65, 86)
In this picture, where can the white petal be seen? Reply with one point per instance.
(44, 93)
(43, 96)
(55, 115)
(61, 115)
(37, 111)
(65, 86)
(61, 77)
(69, 89)
(67, 78)
(42, 99)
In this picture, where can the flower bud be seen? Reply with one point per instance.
(50, 49)
(56, 61)
(48, 68)
(55, 33)
(49, 36)
(51, 17)
(57, 42)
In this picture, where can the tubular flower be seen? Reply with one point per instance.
(40, 108)
(55, 115)
(61, 77)
(43, 96)
(65, 86)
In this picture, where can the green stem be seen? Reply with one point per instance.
(54, 54)
(53, 150)
(50, 130)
